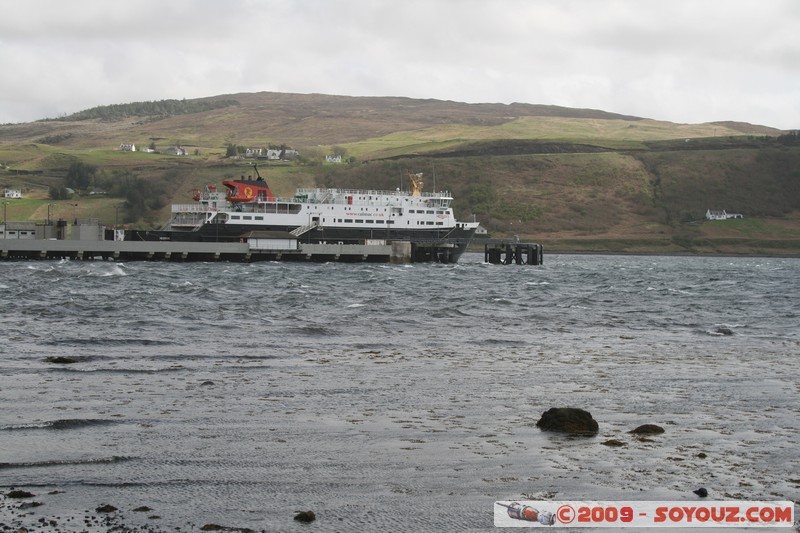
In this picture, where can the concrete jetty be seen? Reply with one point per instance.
(92, 241)
(11, 249)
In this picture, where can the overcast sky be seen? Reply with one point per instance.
(680, 60)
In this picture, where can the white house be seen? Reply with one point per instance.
(127, 147)
(12, 193)
(253, 152)
(175, 150)
(333, 159)
(721, 215)
(275, 155)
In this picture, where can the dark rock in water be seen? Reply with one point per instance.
(207, 383)
(648, 429)
(106, 509)
(724, 331)
(702, 492)
(217, 527)
(305, 516)
(142, 509)
(567, 420)
(61, 360)
(702, 455)
(19, 494)
(613, 442)
(29, 505)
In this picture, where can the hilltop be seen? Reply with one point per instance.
(576, 179)
(369, 124)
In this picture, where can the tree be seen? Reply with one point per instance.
(793, 136)
(339, 150)
(80, 175)
(231, 150)
(479, 197)
(58, 193)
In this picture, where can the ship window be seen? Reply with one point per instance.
(440, 212)
(429, 223)
(259, 218)
(235, 217)
(380, 221)
(440, 223)
(359, 221)
(429, 212)
(370, 221)
(390, 221)
(348, 221)
(247, 217)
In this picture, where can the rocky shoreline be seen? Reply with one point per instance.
(19, 510)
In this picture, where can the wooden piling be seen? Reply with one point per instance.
(503, 252)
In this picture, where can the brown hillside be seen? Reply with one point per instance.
(749, 129)
(294, 119)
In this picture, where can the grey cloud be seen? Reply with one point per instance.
(681, 60)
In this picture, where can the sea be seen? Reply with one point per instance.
(158, 396)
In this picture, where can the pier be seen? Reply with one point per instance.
(94, 242)
(24, 249)
(252, 250)
(510, 252)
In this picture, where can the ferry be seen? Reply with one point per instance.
(318, 215)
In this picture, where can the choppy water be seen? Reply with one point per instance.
(401, 398)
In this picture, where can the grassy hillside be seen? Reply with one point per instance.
(308, 121)
(581, 180)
